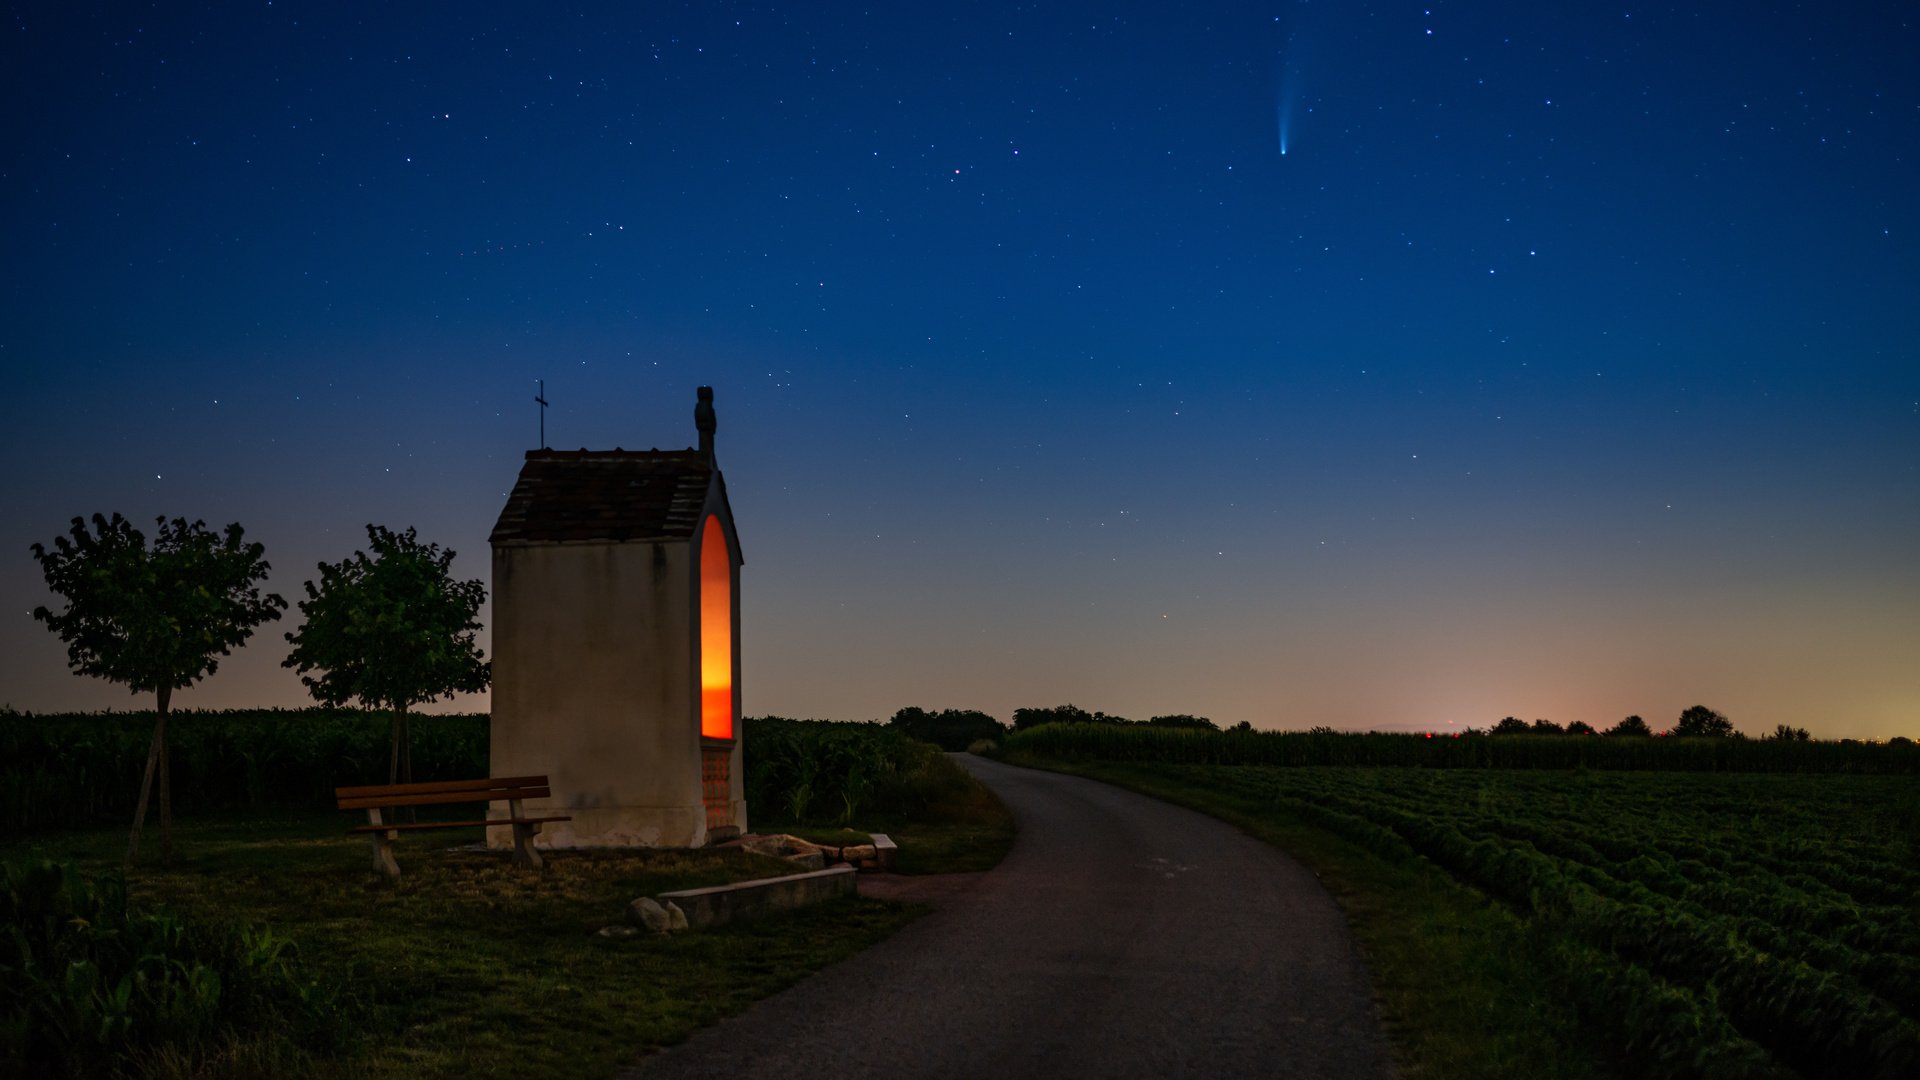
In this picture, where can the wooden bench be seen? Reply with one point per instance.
(510, 789)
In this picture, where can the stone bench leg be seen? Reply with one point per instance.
(523, 850)
(382, 845)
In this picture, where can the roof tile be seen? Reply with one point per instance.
(615, 494)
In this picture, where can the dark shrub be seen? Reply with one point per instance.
(89, 982)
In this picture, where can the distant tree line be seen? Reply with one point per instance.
(958, 729)
(1697, 722)
(1073, 714)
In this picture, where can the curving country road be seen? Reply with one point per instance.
(1122, 937)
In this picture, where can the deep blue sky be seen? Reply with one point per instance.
(1564, 365)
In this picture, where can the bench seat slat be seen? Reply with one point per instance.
(454, 824)
(484, 784)
(365, 802)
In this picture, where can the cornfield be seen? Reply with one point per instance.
(63, 770)
(817, 771)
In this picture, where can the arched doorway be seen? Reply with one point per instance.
(716, 672)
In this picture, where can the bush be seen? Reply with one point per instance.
(814, 771)
(89, 983)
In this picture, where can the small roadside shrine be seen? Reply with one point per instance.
(616, 645)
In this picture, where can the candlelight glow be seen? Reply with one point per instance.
(716, 633)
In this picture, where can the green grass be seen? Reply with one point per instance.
(1459, 979)
(468, 966)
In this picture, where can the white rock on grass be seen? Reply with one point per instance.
(651, 915)
(677, 919)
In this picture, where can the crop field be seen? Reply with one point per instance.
(1138, 742)
(1728, 925)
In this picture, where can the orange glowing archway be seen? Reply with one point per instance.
(716, 632)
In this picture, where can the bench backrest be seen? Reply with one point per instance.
(497, 789)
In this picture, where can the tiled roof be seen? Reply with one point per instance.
(605, 495)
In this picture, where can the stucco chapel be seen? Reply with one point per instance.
(616, 644)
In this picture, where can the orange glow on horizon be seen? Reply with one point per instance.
(716, 633)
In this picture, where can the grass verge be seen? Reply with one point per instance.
(1465, 987)
(468, 966)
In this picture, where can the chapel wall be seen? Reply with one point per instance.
(592, 657)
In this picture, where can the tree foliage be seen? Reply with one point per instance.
(1630, 726)
(949, 729)
(1788, 733)
(1062, 714)
(155, 619)
(1185, 720)
(1511, 725)
(1700, 722)
(394, 630)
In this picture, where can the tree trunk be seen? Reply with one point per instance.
(166, 785)
(146, 779)
(406, 759)
(393, 760)
(400, 763)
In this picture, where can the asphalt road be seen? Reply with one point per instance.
(1122, 937)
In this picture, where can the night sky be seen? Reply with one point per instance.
(1372, 365)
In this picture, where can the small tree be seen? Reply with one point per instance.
(1632, 725)
(1787, 733)
(154, 619)
(1547, 727)
(1510, 725)
(1581, 727)
(1701, 722)
(394, 630)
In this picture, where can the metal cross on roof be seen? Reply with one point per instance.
(541, 397)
